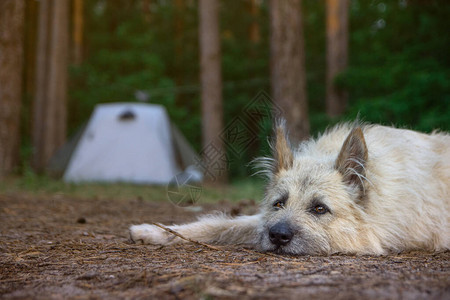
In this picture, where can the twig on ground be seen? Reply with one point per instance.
(244, 263)
(266, 254)
(185, 238)
(215, 248)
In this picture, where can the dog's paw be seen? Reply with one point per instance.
(150, 234)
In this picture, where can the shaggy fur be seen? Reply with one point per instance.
(360, 189)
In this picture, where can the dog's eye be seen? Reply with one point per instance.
(320, 209)
(279, 204)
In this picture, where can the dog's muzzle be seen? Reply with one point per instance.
(280, 234)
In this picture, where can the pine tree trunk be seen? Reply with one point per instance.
(57, 91)
(214, 156)
(31, 13)
(337, 54)
(12, 14)
(49, 109)
(288, 77)
(254, 31)
(146, 10)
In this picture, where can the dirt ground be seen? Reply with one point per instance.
(58, 247)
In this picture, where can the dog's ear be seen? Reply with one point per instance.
(352, 158)
(282, 150)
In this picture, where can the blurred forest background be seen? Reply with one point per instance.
(395, 68)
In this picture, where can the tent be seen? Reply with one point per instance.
(127, 142)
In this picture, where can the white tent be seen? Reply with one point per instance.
(129, 142)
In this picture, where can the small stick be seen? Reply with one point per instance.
(265, 254)
(185, 238)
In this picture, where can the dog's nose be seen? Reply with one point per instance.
(280, 234)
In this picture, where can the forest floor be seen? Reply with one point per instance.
(56, 246)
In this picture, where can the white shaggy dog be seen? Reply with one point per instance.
(360, 189)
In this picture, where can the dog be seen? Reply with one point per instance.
(357, 189)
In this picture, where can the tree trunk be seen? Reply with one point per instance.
(39, 103)
(146, 10)
(78, 27)
(57, 91)
(214, 155)
(288, 77)
(49, 109)
(31, 13)
(254, 32)
(12, 20)
(337, 54)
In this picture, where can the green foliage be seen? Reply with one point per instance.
(399, 65)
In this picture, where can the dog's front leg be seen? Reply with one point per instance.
(213, 229)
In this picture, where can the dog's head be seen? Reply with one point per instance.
(314, 200)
